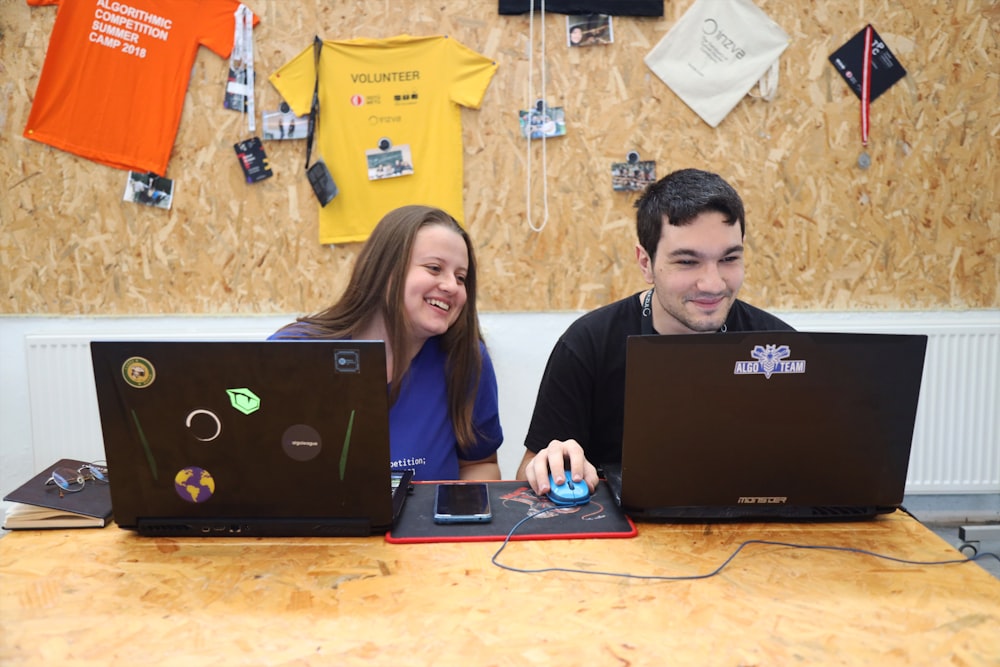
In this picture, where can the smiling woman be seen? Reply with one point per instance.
(435, 285)
(414, 287)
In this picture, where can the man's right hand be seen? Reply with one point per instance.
(559, 456)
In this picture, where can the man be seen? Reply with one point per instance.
(690, 228)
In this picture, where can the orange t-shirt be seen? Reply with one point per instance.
(115, 74)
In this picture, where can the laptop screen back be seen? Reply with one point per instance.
(769, 424)
(277, 438)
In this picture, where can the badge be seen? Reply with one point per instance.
(253, 160)
(138, 372)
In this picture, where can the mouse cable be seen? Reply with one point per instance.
(721, 567)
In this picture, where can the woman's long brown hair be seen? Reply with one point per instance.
(377, 284)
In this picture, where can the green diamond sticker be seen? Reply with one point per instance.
(244, 400)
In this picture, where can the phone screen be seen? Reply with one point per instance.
(457, 502)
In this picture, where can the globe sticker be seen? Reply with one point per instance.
(138, 372)
(244, 400)
(194, 484)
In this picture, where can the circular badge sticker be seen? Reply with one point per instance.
(194, 484)
(301, 442)
(138, 372)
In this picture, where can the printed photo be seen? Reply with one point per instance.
(589, 30)
(543, 122)
(284, 124)
(632, 176)
(237, 90)
(391, 163)
(149, 190)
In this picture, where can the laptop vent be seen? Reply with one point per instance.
(846, 512)
(165, 529)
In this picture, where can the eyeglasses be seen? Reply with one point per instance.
(72, 480)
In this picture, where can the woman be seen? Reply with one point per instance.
(414, 287)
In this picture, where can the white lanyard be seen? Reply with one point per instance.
(530, 106)
(243, 54)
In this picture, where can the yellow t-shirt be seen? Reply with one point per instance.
(390, 127)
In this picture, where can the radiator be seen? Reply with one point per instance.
(956, 438)
(64, 418)
(956, 442)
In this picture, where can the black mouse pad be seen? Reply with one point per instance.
(511, 502)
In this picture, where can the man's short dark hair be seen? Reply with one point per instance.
(680, 197)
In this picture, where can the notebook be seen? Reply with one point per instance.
(40, 503)
(767, 425)
(278, 438)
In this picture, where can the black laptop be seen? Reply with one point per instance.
(279, 438)
(767, 425)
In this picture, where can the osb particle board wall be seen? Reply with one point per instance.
(920, 229)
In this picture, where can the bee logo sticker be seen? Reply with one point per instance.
(138, 372)
(770, 360)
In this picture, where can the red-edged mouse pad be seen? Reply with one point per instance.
(511, 502)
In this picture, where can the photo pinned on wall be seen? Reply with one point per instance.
(388, 161)
(238, 89)
(149, 190)
(543, 121)
(633, 175)
(284, 124)
(589, 30)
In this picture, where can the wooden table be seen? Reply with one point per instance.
(108, 597)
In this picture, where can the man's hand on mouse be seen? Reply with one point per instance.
(555, 457)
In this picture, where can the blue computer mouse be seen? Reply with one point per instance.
(569, 493)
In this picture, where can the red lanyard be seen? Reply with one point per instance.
(866, 85)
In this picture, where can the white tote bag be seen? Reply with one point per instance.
(715, 53)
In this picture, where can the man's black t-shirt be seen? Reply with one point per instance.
(582, 392)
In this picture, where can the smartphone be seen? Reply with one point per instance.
(462, 502)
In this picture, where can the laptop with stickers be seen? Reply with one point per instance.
(277, 438)
(767, 425)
